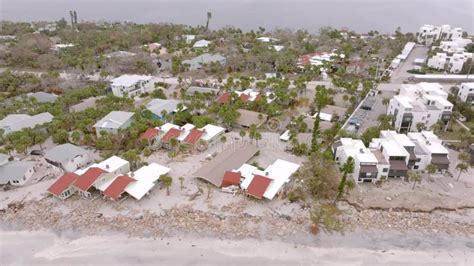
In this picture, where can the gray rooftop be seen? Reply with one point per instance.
(248, 118)
(193, 89)
(43, 97)
(17, 122)
(63, 153)
(204, 59)
(14, 170)
(156, 106)
(114, 119)
(87, 103)
(227, 160)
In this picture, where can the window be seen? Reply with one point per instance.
(429, 116)
(337, 158)
(385, 170)
(415, 167)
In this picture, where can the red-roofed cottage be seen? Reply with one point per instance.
(193, 137)
(150, 134)
(87, 180)
(258, 186)
(63, 188)
(231, 179)
(173, 133)
(224, 98)
(115, 190)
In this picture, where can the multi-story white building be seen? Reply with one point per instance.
(438, 61)
(457, 61)
(428, 34)
(422, 103)
(466, 92)
(429, 149)
(454, 46)
(367, 167)
(391, 155)
(452, 64)
(131, 85)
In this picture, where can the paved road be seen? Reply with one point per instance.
(400, 74)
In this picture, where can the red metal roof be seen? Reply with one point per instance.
(171, 134)
(86, 180)
(224, 98)
(244, 97)
(62, 183)
(117, 187)
(258, 186)
(149, 134)
(193, 136)
(231, 178)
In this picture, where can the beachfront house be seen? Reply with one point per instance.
(14, 172)
(69, 157)
(99, 175)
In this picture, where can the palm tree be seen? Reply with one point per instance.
(209, 16)
(258, 136)
(75, 19)
(431, 168)
(385, 102)
(454, 116)
(167, 181)
(322, 98)
(420, 126)
(385, 121)
(72, 18)
(347, 168)
(242, 134)
(461, 167)
(415, 177)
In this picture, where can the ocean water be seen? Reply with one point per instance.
(359, 15)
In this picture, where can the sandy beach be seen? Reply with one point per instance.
(47, 248)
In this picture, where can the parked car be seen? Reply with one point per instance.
(365, 107)
(37, 153)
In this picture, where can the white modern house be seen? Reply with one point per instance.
(429, 34)
(114, 121)
(429, 149)
(16, 122)
(391, 155)
(455, 45)
(452, 64)
(438, 61)
(457, 62)
(367, 167)
(131, 85)
(466, 92)
(422, 103)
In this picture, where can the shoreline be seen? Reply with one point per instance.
(54, 248)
